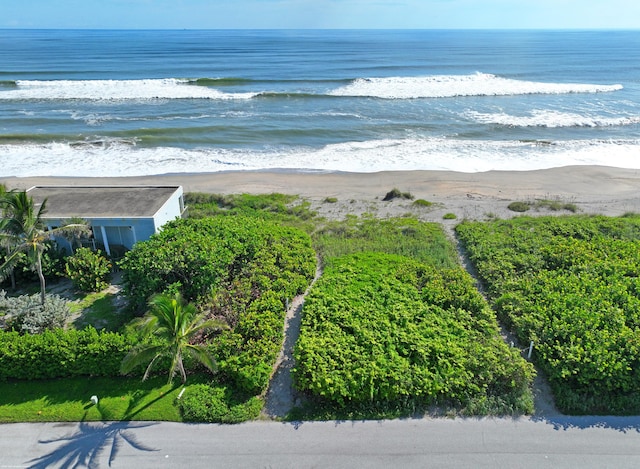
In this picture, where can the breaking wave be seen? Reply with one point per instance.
(551, 119)
(449, 86)
(125, 158)
(435, 86)
(115, 90)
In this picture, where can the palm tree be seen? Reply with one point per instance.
(4, 216)
(23, 231)
(175, 323)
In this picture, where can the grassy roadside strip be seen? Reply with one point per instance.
(68, 399)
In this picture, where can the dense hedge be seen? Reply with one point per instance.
(204, 256)
(571, 285)
(241, 269)
(246, 354)
(60, 353)
(211, 403)
(384, 328)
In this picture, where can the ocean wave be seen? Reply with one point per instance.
(435, 86)
(449, 86)
(550, 119)
(123, 157)
(229, 81)
(114, 90)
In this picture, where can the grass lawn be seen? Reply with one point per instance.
(65, 400)
(97, 310)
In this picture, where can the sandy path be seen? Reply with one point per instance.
(281, 395)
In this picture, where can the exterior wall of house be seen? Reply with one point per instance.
(124, 232)
(118, 231)
(172, 209)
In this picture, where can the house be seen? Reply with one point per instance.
(119, 216)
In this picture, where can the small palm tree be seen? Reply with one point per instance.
(175, 323)
(22, 230)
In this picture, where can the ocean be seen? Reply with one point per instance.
(129, 103)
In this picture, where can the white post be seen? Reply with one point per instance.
(105, 240)
(530, 350)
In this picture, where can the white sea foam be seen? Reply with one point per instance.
(551, 119)
(124, 158)
(100, 90)
(448, 86)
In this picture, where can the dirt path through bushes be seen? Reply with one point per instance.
(281, 395)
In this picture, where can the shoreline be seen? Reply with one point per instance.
(593, 189)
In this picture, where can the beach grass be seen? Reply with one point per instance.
(404, 236)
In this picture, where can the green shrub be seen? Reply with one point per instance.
(397, 194)
(556, 205)
(330, 200)
(379, 328)
(422, 203)
(449, 216)
(518, 206)
(26, 313)
(237, 268)
(53, 261)
(61, 353)
(89, 271)
(280, 207)
(201, 256)
(210, 403)
(248, 352)
(570, 285)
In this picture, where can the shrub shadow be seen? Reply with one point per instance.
(565, 422)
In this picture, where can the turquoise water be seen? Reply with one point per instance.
(114, 103)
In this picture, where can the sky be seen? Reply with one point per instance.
(321, 14)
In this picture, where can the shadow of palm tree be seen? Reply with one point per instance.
(86, 446)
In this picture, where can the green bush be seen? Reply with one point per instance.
(278, 207)
(422, 203)
(449, 216)
(246, 354)
(570, 285)
(89, 271)
(241, 269)
(26, 314)
(210, 403)
(518, 206)
(201, 256)
(379, 328)
(397, 194)
(60, 353)
(53, 261)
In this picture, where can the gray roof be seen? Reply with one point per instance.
(101, 201)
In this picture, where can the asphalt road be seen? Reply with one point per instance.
(565, 442)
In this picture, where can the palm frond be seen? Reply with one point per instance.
(202, 354)
(140, 356)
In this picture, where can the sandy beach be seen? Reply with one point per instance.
(593, 189)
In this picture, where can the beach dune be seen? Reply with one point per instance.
(593, 189)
